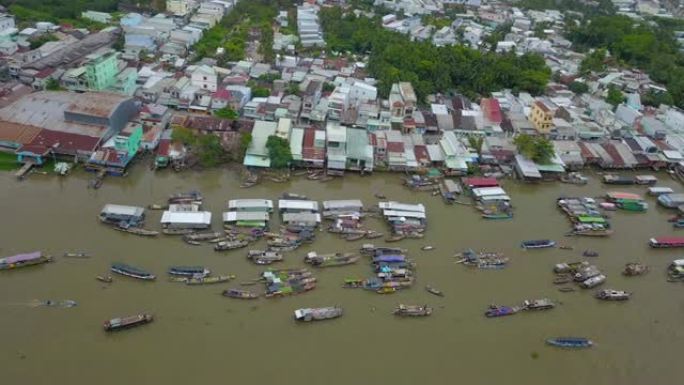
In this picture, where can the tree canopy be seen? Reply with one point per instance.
(226, 113)
(279, 152)
(393, 57)
(537, 148)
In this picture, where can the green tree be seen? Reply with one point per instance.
(245, 141)
(655, 98)
(183, 135)
(53, 85)
(226, 113)
(537, 148)
(614, 96)
(260, 92)
(279, 152)
(292, 89)
(476, 142)
(209, 150)
(578, 87)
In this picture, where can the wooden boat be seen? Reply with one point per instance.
(501, 311)
(395, 238)
(294, 196)
(230, 245)
(168, 231)
(204, 236)
(190, 197)
(566, 289)
(563, 247)
(380, 195)
(191, 242)
(127, 322)
(330, 260)
(264, 257)
(412, 310)
(537, 244)
(434, 291)
(386, 290)
(137, 231)
(317, 314)
(240, 294)
(208, 280)
(189, 271)
(157, 207)
(497, 215)
(352, 283)
(76, 255)
(613, 295)
(427, 248)
(634, 269)
(570, 342)
(133, 272)
(537, 304)
(590, 253)
(105, 279)
(371, 234)
(354, 237)
(562, 280)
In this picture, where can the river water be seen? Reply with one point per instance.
(200, 336)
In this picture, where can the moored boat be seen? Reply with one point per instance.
(537, 304)
(240, 294)
(208, 280)
(395, 238)
(261, 257)
(76, 255)
(136, 231)
(23, 260)
(329, 260)
(412, 310)
(317, 314)
(203, 236)
(354, 237)
(613, 295)
(133, 272)
(570, 342)
(230, 245)
(666, 242)
(501, 311)
(127, 322)
(104, 278)
(537, 244)
(371, 234)
(189, 271)
(593, 281)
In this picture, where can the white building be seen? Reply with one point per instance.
(179, 7)
(204, 77)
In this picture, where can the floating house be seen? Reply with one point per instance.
(252, 213)
(116, 214)
(299, 212)
(671, 201)
(258, 205)
(186, 220)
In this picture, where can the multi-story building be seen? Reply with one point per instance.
(101, 69)
(542, 116)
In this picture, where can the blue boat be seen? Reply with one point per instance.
(570, 342)
(500, 311)
(189, 271)
(537, 244)
(679, 224)
(130, 271)
(389, 258)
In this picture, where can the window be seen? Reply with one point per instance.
(204, 77)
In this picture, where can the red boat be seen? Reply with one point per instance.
(666, 242)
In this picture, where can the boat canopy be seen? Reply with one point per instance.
(480, 182)
(21, 258)
(121, 210)
(389, 258)
(660, 190)
(302, 217)
(623, 195)
(235, 216)
(349, 204)
(488, 191)
(297, 205)
(671, 200)
(405, 214)
(186, 218)
(250, 204)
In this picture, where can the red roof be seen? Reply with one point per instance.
(610, 149)
(421, 153)
(491, 109)
(395, 147)
(480, 182)
(670, 240)
(65, 143)
(163, 149)
(309, 151)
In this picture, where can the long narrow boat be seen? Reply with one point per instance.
(133, 272)
(666, 242)
(189, 271)
(317, 313)
(23, 260)
(501, 311)
(537, 244)
(230, 245)
(137, 231)
(330, 260)
(413, 311)
(209, 280)
(76, 255)
(240, 294)
(127, 322)
(570, 342)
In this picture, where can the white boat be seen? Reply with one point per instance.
(593, 281)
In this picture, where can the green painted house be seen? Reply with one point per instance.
(101, 69)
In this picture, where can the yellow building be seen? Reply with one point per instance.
(542, 117)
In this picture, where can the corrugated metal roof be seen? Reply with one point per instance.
(234, 216)
(286, 204)
(122, 210)
(201, 217)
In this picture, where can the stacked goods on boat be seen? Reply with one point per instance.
(675, 272)
(317, 313)
(248, 216)
(585, 216)
(634, 269)
(627, 201)
(491, 199)
(125, 218)
(483, 259)
(422, 183)
(406, 220)
(586, 275)
(287, 282)
(330, 260)
(23, 260)
(393, 270)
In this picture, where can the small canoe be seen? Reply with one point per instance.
(386, 290)
(76, 255)
(562, 280)
(191, 242)
(240, 294)
(380, 196)
(427, 248)
(570, 342)
(590, 253)
(395, 238)
(127, 322)
(354, 237)
(434, 291)
(566, 289)
(370, 234)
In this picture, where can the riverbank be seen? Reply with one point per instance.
(198, 328)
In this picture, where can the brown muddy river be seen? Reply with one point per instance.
(201, 337)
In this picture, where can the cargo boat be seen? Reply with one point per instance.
(133, 272)
(127, 322)
(570, 342)
(317, 314)
(240, 294)
(537, 304)
(618, 180)
(208, 280)
(613, 295)
(537, 244)
(666, 242)
(501, 311)
(23, 260)
(413, 311)
(330, 260)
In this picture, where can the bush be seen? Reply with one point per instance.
(537, 148)
(279, 152)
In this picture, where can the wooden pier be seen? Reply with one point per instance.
(21, 173)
